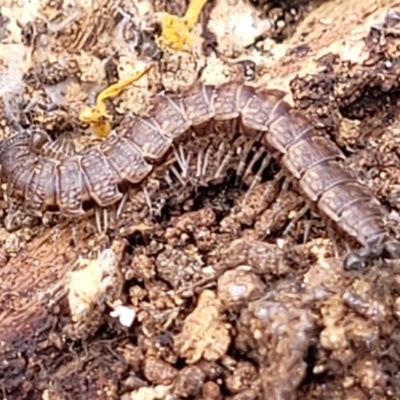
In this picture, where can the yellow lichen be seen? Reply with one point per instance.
(176, 32)
(98, 117)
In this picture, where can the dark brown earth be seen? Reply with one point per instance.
(208, 296)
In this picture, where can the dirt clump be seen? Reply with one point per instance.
(207, 290)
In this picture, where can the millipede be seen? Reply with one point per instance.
(66, 181)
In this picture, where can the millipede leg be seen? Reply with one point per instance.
(74, 235)
(331, 234)
(260, 152)
(105, 219)
(122, 204)
(221, 151)
(258, 176)
(101, 215)
(181, 159)
(243, 157)
(227, 157)
(286, 183)
(223, 165)
(178, 175)
(307, 231)
(167, 178)
(199, 164)
(300, 214)
(97, 214)
(205, 164)
(147, 198)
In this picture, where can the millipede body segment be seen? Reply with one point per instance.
(102, 173)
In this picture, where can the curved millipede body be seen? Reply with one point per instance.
(102, 172)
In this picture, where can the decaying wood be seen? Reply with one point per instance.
(124, 316)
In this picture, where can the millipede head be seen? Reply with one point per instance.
(356, 260)
(391, 249)
(38, 139)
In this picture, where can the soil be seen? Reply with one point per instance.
(213, 292)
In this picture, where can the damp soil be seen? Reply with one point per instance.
(211, 292)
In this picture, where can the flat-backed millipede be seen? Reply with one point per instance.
(102, 173)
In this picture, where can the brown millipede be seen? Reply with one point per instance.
(100, 174)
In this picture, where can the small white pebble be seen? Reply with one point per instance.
(244, 268)
(280, 243)
(125, 314)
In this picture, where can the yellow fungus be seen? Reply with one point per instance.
(176, 32)
(98, 117)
